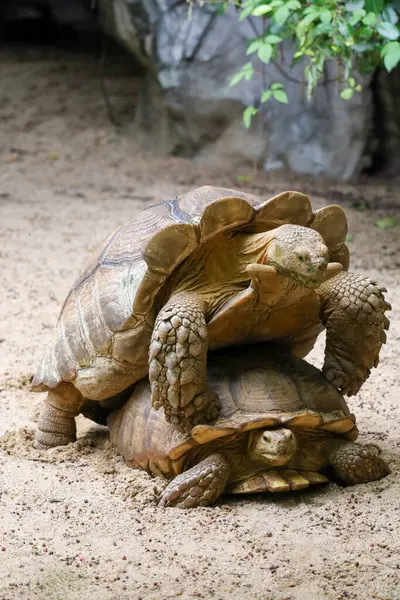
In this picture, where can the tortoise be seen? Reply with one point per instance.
(212, 268)
(281, 425)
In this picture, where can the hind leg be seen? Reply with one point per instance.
(56, 426)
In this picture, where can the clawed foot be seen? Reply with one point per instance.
(344, 375)
(203, 408)
(355, 463)
(201, 485)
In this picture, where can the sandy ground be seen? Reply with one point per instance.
(77, 523)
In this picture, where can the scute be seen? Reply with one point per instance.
(163, 253)
(224, 214)
(331, 223)
(278, 480)
(287, 207)
(195, 201)
(341, 256)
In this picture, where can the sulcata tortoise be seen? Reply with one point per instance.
(212, 268)
(281, 424)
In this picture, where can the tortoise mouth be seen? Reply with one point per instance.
(311, 281)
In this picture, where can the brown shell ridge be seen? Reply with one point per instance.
(97, 306)
(286, 207)
(65, 342)
(188, 231)
(333, 422)
(91, 350)
(331, 222)
(175, 211)
(85, 275)
(66, 364)
(47, 371)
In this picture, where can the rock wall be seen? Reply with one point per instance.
(193, 57)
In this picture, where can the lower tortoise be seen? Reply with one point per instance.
(281, 427)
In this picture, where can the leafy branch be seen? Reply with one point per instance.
(359, 35)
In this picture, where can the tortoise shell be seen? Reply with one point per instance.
(102, 334)
(257, 390)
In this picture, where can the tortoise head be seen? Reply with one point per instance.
(273, 447)
(298, 252)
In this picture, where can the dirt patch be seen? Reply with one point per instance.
(77, 523)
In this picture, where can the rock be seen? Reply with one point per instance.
(387, 120)
(193, 59)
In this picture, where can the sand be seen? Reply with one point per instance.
(77, 523)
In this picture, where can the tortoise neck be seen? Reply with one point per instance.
(217, 269)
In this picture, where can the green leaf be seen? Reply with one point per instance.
(375, 6)
(281, 15)
(326, 16)
(358, 88)
(246, 12)
(350, 6)
(323, 28)
(369, 19)
(280, 96)
(310, 18)
(387, 223)
(266, 95)
(259, 11)
(388, 31)
(352, 82)
(347, 93)
(293, 4)
(389, 14)
(247, 72)
(248, 113)
(360, 206)
(349, 237)
(264, 53)
(391, 55)
(312, 9)
(243, 178)
(357, 16)
(254, 46)
(277, 86)
(236, 78)
(273, 39)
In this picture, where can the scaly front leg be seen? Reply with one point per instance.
(357, 463)
(201, 485)
(353, 312)
(177, 363)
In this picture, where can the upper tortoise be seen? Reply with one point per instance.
(211, 268)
